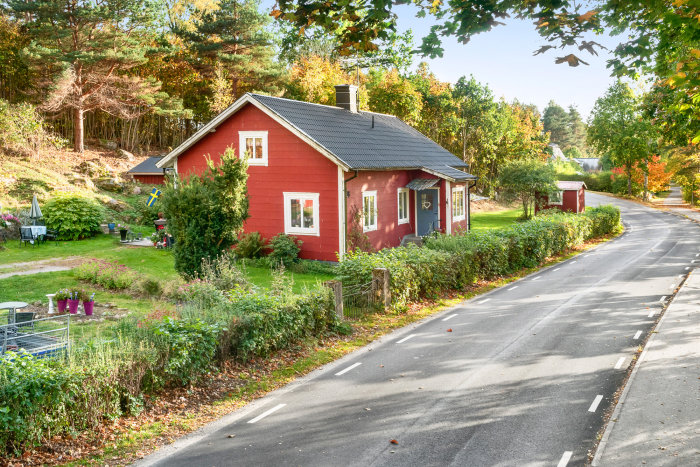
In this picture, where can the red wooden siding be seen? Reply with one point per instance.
(568, 202)
(386, 183)
(150, 179)
(293, 166)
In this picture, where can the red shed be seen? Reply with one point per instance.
(571, 197)
(314, 170)
(148, 172)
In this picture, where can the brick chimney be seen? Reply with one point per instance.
(346, 97)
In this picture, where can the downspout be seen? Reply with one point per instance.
(345, 205)
(469, 205)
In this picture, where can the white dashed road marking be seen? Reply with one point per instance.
(535, 278)
(513, 288)
(483, 301)
(410, 336)
(565, 459)
(636, 336)
(354, 365)
(449, 317)
(595, 403)
(651, 314)
(555, 270)
(265, 414)
(619, 363)
(662, 298)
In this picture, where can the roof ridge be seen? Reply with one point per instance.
(320, 105)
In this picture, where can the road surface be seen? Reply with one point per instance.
(523, 378)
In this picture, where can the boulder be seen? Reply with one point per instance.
(125, 155)
(110, 145)
(89, 168)
(116, 205)
(114, 184)
(81, 181)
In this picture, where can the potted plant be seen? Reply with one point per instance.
(88, 303)
(74, 300)
(123, 230)
(62, 297)
(111, 225)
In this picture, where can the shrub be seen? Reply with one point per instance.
(148, 286)
(108, 274)
(605, 219)
(73, 216)
(22, 129)
(206, 212)
(285, 249)
(250, 245)
(201, 294)
(223, 273)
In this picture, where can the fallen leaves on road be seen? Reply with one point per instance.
(393, 441)
(449, 330)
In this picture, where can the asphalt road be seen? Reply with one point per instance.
(523, 378)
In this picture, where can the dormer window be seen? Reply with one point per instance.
(253, 145)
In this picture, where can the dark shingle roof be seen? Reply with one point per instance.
(391, 144)
(147, 167)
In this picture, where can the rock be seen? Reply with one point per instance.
(110, 145)
(136, 190)
(114, 184)
(125, 155)
(89, 168)
(79, 180)
(116, 205)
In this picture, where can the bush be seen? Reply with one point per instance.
(22, 130)
(108, 274)
(223, 273)
(250, 245)
(206, 212)
(285, 249)
(604, 219)
(73, 216)
(201, 294)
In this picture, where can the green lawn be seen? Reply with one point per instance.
(495, 219)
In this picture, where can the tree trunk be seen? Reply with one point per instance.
(78, 131)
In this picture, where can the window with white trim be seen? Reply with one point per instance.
(556, 198)
(403, 205)
(458, 204)
(253, 145)
(301, 213)
(369, 211)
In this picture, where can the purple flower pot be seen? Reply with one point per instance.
(88, 307)
(73, 306)
(62, 304)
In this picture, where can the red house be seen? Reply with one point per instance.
(571, 197)
(148, 172)
(315, 169)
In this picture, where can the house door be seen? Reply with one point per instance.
(427, 205)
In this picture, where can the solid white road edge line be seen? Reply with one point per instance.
(265, 414)
(636, 336)
(596, 401)
(619, 363)
(565, 458)
(410, 336)
(449, 317)
(354, 365)
(513, 288)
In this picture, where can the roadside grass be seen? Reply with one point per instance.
(494, 219)
(262, 377)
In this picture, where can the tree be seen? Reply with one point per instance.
(555, 121)
(231, 44)
(312, 79)
(391, 93)
(524, 179)
(206, 212)
(83, 51)
(619, 129)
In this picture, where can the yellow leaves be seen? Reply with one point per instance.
(679, 3)
(275, 13)
(586, 16)
(695, 53)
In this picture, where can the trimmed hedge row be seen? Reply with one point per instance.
(455, 261)
(40, 398)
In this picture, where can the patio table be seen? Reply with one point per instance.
(37, 230)
(12, 308)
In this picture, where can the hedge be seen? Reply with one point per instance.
(449, 262)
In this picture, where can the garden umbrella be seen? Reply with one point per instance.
(35, 211)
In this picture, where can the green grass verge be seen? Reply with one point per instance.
(495, 219)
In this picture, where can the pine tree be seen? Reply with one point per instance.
(233, 40)
(84, 50)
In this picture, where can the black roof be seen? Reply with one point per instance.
(147, 167)
(350, 136)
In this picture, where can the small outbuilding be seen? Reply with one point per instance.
(148, 172)
(571, 197)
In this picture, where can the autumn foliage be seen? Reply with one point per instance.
(658, 179)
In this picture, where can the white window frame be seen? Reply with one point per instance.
(457, 218)
(561, 199)
(242, 136)
(288, 229)
(373, 227)
(399, 193)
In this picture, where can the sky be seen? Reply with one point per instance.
(502, 58)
